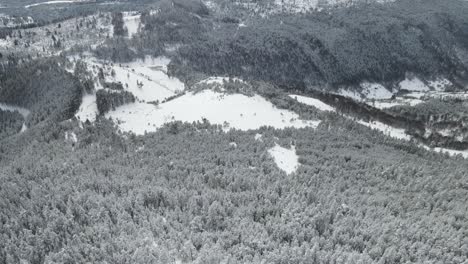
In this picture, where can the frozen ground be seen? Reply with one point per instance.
(286, 159)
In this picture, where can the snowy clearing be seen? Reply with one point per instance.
(286, 159)
(350, 94)
(145, 79)
(230, 110)
(413, 85)
(88, 109)
(375, 91)
(398, 133)
(132, 22)
(313, 102)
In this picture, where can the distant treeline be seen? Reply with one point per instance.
(374, 42)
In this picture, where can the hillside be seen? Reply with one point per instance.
(182, 131)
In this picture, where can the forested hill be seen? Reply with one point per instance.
(42, 86)
(342, 46)
(185, 195)
(245, 131)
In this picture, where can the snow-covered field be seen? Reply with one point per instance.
(145, 79)
(286, 159)
(313, 102)
(132, 22)
(151, 74)
(236, 111)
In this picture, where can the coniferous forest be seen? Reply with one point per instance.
(187, 131)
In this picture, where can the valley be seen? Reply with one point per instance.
(179, 131)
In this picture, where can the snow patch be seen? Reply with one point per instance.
(413, 85)
(396, 102)
(88, 109)
(11, 108)
(286, 159)
(440, 84)
(375, 91)
(71, 136)
(386, 129)
(220, 80)
(313, 102)
(23, 111)
(56, 2)
(258, 137)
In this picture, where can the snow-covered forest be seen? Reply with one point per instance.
(269, 131)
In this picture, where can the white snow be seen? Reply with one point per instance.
(258, 137)
(11, 108)
(286, 159)
(350, 94)
(413, 85)
(220, 80)
(156, 85)
(230, 110)
(451, 152)
(313, 102)
(88, 109)
(55, 2)
(375, 91)
(71, 136)
(297, 6)
(386, 129)
(132, 22)
(439, 84)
